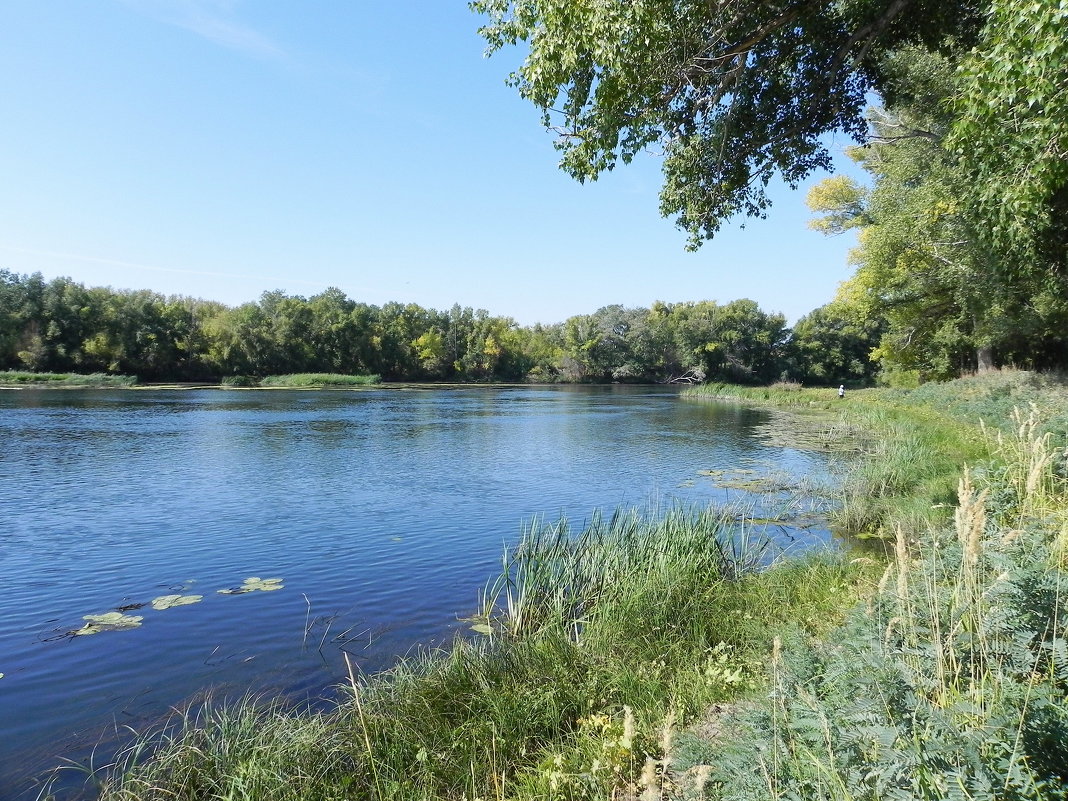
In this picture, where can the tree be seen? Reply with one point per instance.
(923, 263)
(1011, 133)
(732, 94)
(736, 342)
(834, 344)
(12, 318)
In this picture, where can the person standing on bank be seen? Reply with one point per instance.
(841, 391)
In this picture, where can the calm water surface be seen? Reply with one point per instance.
(383, 511)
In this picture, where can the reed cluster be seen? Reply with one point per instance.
(299, 380)
(23, 378)
(951, 681)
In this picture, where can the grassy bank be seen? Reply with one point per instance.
(650, 658)
(950, 682)
(22, 379)
(911, 450)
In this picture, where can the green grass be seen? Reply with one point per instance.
(21, 378)
(950, 681)
(299, 380)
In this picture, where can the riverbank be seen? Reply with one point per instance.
(614, 660)
(13, 378)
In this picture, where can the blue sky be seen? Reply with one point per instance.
(223, 148)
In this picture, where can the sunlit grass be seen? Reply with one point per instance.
(949, 682)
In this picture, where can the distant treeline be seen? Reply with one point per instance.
(63, 326)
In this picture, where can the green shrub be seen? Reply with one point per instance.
(241, 381)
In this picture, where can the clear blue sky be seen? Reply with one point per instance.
(223, 148)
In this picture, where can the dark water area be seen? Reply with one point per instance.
(383, 511)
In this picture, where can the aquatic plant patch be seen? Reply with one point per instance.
(168, 601)
(22, 378)
(319, 380)
(109, 621)
(254, 584)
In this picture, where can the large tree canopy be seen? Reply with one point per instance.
(1011, 133)
(732, 93)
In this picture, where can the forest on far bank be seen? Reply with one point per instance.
(63, 326)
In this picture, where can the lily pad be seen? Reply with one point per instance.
(482, 628)
(167, 601)
(109, 621)
(253, 584)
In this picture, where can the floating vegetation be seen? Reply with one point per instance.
(319, 380)
(811, 432)
(750, 481)
(254, 584)
(109, 621)
(167, 601)
(480, 623)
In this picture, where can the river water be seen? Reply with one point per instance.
(383, 512)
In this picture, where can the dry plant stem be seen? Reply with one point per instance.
(363, 726)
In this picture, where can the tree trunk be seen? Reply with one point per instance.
(984, 355)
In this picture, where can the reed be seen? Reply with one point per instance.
(301, 380)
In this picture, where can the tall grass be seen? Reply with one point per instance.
(597, 635)
(298, 380)
(21, 378)
(782, 394)
(951, 682)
